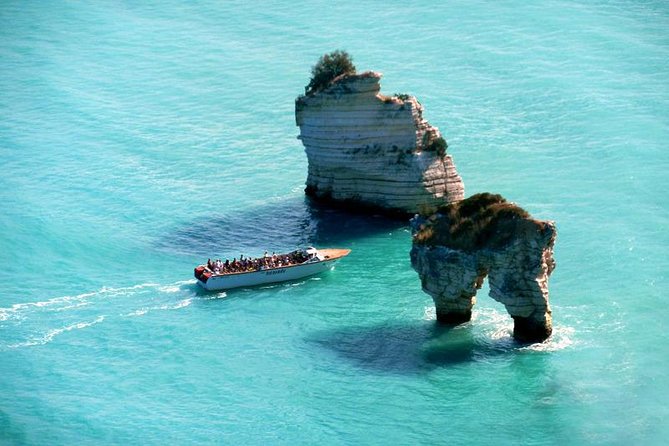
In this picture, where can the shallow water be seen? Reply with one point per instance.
(136, 141)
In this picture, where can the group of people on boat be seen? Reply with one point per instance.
(246, 264)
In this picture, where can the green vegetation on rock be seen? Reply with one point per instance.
(328, 67)
(437, 145)
(481, 221)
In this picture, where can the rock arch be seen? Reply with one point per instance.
(455, 248)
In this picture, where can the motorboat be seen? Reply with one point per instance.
(267, 269)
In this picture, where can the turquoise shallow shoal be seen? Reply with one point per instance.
(138, 140)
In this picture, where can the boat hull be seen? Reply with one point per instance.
(294, 272)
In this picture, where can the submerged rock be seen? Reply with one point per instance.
(367, 149)
(455, 248)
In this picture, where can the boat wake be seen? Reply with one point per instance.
(38, 323)
(19, 311)
(142, 311)
(219, 295)
(48, 337)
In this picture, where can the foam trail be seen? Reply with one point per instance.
(104, 291)
(140, 312)
(176, 286)
(220, 295)
(69, 307)
(17, 311)
(23, 318)
(51, 334)
(180, 304)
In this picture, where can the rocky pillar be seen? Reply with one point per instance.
(519, 280)
(451, 277)
(368, 150)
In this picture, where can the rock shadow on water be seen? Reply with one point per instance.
(277, 226)
(410, 348)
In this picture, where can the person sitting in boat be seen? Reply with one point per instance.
(250, 264)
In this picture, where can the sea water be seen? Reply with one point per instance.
(138, 140)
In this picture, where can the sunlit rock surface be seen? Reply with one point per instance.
(367, 149)
(455, 248)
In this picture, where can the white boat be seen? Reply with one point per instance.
(316, 261)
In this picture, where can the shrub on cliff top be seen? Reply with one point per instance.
(328, 67)
(480, 221)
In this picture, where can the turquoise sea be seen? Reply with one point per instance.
(137, 139)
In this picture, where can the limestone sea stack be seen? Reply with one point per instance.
(370, 150)
(455, 248)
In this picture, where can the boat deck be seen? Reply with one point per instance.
(326, 254)
(331, 254)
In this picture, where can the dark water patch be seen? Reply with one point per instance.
(410, 348)
(355, 206)
(10, 433)
(276, 226)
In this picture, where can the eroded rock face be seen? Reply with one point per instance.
(455, 248)
(369, 149)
